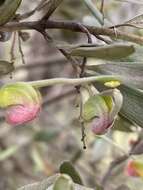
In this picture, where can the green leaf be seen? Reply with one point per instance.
(131, 73)
(8, 9)
(106, 52)
(132, 108)
(122, 124)
(96, 13)
(67, 168)
(50, 6)
(8, 152)
(63, 182)
(5, 67)
(44, 136)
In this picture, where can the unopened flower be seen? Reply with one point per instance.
(100, 110)
(134, 168)
(21, 101)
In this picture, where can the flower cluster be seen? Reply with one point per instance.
(22, 103)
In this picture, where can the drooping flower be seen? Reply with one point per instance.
(134, 168)
(100, 110)
(21, 101)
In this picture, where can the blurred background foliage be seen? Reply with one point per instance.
(35, 151)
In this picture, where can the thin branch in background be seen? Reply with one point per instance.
(59, 97)
(103, 39)
(126, 25)
(52, 6)
(112, 166)
(32, 12)
(82, 122)
(12, 54)
(89, 37)
(86, 31)
(73, 61)
(135, 150)
(20, 48)
(49, 39)
(70, 58)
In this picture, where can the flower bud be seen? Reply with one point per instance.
(21, 101)
(100, 110)
(134, 168)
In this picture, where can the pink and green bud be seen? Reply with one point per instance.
(21, 101)
(134, 168)
(100, 110)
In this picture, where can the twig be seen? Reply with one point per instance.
(137, 149)
(112, 166)
(53, 5)
(12, 54)
(20, 48)
(79, 88)
(69, 58)
(30, 13)
(58, 97)
(72, 26)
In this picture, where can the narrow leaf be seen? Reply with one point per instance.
(8, 152)
(132, 108)
(107, 52)
(122, 124)
(67, 168)
(8, 9)
(44, 136)
(51, 6)
(132, 73)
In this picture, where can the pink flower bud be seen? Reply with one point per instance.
(131, 169)
(100, 125)
(20, 114)
(101, 110)
(134, 168)
(21, 101)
